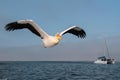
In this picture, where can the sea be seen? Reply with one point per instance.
(58, 70)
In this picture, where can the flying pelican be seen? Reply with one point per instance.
(48, 41)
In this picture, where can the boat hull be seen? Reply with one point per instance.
(104, 62)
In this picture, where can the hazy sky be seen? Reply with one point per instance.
(99, 18)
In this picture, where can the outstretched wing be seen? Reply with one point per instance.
(29, 24)
(75, 31)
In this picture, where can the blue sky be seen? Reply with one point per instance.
(99, 18)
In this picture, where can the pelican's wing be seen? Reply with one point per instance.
(29, 24)
(75, 31)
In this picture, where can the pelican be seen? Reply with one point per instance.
(48, 40)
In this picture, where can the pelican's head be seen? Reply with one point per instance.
(58, 36)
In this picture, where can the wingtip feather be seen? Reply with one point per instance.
(9, 26)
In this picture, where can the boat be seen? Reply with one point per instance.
(104, 59)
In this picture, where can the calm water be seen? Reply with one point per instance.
(58, 71)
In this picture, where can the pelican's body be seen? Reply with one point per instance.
(48, 41)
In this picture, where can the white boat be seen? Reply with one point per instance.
(103, 59)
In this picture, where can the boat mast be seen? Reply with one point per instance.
(107, 48)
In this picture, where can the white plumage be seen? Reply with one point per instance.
(48, 41)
